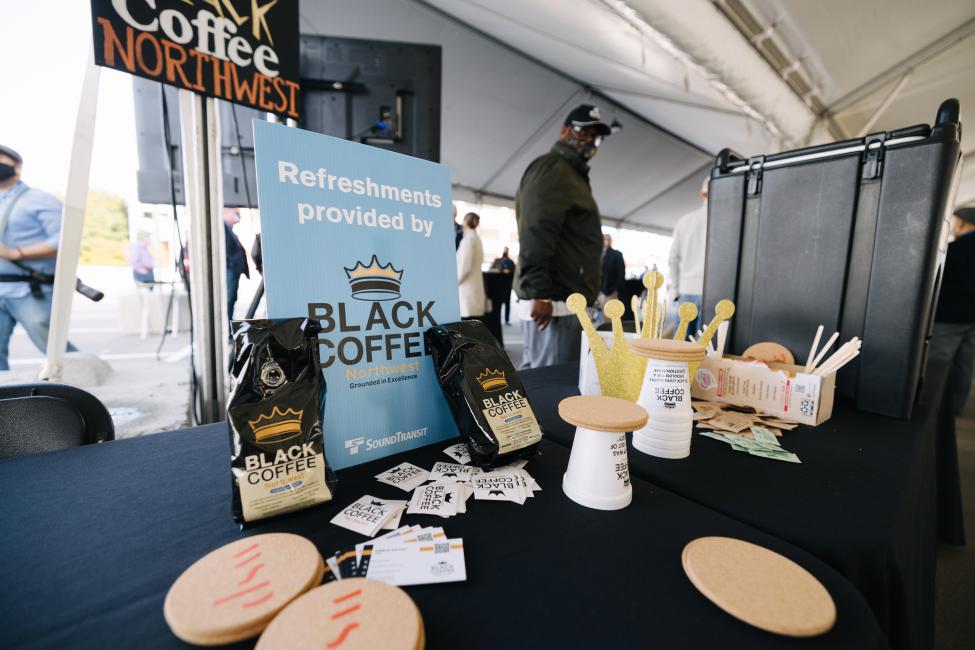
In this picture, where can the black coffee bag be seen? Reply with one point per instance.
(485, 394)
(274, 413)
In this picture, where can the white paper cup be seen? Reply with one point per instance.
(669, 436)
(661, 449)
(598, 476)
(672, 445)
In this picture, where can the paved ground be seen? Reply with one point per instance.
(145, 391)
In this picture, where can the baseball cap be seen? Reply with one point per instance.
(7, 151)
(966, 214)
(587, 115)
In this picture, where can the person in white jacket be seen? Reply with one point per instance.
(687, 251)
(470, 257)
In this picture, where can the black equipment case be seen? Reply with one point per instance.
(851, 235)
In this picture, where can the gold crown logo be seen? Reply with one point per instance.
(620, 370)
(492, 380)
(276, 426)
(374, 281)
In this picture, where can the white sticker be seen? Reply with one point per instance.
(368, 514)
(405, 476)
(459, 452)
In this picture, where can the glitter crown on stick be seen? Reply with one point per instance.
(621, 371)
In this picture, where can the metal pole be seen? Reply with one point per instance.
(72, 224)
(884, 105)
(206, 250)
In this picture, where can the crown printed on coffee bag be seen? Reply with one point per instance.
(277, 425)
(375, 281)
(492, 380)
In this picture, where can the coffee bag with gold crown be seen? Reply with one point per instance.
(274, 413)
(485, 394)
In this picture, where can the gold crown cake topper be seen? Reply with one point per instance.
(277, 425)
(492, 380)
(620, 370)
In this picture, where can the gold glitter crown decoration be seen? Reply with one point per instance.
(621, 371)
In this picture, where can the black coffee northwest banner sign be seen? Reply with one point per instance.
(243, 51)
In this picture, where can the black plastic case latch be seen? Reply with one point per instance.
(755, 165)
(873, 158)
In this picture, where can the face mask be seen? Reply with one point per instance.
(6, 171)
(587, 147)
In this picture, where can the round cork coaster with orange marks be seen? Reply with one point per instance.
(350, 614)
(233, 592)
(759, 586)
(602, 413)
(770, 352)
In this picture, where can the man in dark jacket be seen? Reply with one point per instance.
(614, 270)
(560, 240)
(954, 327)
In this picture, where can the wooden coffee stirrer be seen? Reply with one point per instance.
(812, 350)
(847, 352)
(825, 349)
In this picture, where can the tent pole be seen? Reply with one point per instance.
(206, 250)
(884, 105)
(72, 224)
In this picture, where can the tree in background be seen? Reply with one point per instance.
(106, 231)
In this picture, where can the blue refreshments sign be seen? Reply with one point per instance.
(362, 240)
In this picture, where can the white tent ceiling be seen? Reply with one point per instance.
(682, 78)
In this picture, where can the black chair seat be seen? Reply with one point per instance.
(45, 417)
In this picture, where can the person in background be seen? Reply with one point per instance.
(560, 239)
(458, 230)
(30, 232)
(505, 264)
(236, 258)
(953, 339)
(470, 257)
(687, 251)
(613, 271)
(140, 258)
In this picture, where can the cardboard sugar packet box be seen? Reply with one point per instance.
(778, 389)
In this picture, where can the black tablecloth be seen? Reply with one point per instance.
(871, 497)
(93, 537)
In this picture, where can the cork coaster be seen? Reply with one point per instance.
(770, 352)
(602, 413)
(668, 349)
(759, 586)
(350, 614)
(232, 593)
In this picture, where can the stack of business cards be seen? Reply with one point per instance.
(445, 499)
(368, 515)
(405, 476)
(409, 555)
(509, 484)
